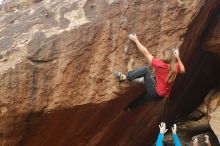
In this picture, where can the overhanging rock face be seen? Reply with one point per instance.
(57, 87)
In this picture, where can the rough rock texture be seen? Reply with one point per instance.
(211, 108)
(57, 87)
(8, 6)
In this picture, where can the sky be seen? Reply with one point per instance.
(0, 1)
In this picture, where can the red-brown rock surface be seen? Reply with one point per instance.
(57, 87)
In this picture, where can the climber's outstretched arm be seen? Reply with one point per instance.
(141, 48)
(182, 67)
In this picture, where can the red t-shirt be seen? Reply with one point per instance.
(161, 71)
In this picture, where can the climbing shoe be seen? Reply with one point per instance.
(120, 76)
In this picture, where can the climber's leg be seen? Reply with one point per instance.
(145, 72)
(149, 83)
(134, 74)
(142, 99)
(150, 86)
(137, 73)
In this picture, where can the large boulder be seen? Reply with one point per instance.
(211, 108)
(57, 86)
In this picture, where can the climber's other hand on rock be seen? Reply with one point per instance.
(133, 37)
(176, 52)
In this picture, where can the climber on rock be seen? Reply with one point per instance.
(167, 66)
